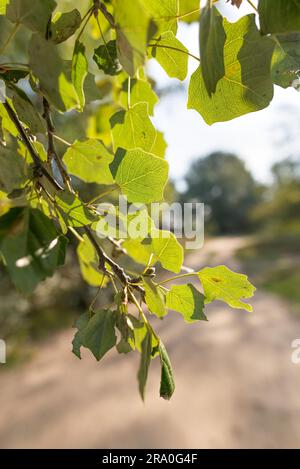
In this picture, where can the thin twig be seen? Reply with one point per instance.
(52, 153)
(116, 268)
(41, 170)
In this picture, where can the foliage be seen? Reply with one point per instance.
(118, 147)
(212, 180)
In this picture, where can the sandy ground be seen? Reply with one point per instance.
(236, 386)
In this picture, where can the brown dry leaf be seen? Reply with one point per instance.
(237, 3)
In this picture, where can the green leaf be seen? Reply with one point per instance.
(168, 250)
(286, 60)
(282, 17)
(89, 161)
(106, 57)
(133, 28)
(73, 210)
(34, 14)
(212, 41)
(188, 301)
(80, 324)
(79, 71)
(141, 176)
(247, 85)
(27, 112)
(99, 334)
(171, 54)
(53, 74)
(3, 4)
(133, 129)
(140, 91)
(31, 247)
(221, 283)
(140, 332)
(167, 384)
(64, 25)
(13, 172)
(145, 363)
(160, 145)
(154, 297)
(164, 14)
(189, 10)
(88, 261)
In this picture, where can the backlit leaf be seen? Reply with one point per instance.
(171, 54)
(73, 210)
(79, 71)
(247, 85)
(133, 129)
(89, 160)
(141, 176)
(168, 250)
(221, 283)
(140, 91)
(188, 301)
(155, 298)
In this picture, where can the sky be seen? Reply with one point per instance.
(259, 138)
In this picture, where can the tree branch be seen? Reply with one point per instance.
(42, 171)
(52, 153)
(116, 268)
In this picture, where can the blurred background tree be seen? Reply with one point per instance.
(223, 183)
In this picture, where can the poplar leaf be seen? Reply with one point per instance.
(64, 25)
(89, 161)
(212, 41)
(286, 60)
(99, 334)
(155, 298)
(167, 383)
(79, 71)
(168, 250)
(188, 301)
(141, 176)
(281, 16)
(106, 57)
(221, 283)
(133, 129)
(145, 363)
(171, 54)
(247, 84)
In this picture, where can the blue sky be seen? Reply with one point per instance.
(260, 138)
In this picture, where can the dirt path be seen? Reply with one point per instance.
(236, 385)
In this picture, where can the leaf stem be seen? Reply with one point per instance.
(62, 140)
(36, 159)
(129, 92)
(52, 153)
(190, 274)
(104, 194)
(176, 49)
(189, 13)
(253, 6)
